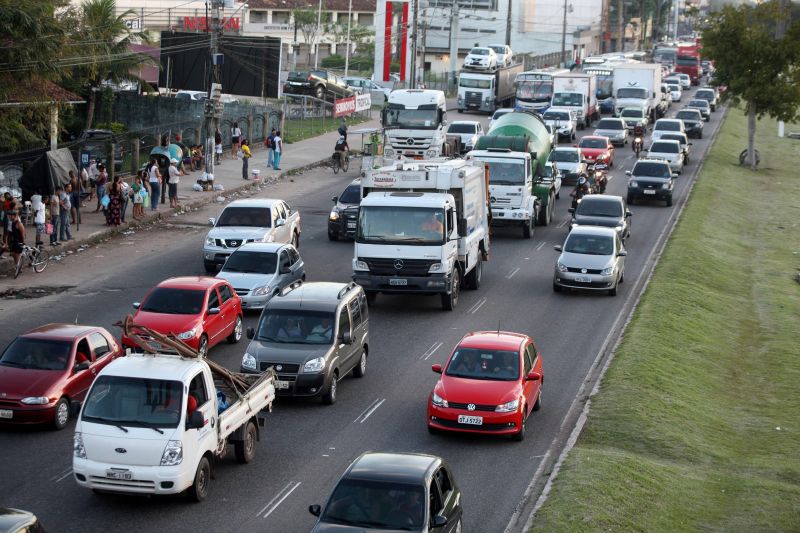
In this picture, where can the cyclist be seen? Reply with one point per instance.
(343, 149)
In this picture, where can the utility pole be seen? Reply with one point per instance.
(319, 34)
(508, 25)
(677, 4)
(212, 108)
(620, 26)
(414, 5)
(453, 40)
(564, 37)
(347, 53)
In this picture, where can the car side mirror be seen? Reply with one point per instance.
(347, 337)
(212, 221)
(251, 333)
(280, 222)
(315, 509)
(196, 420)
(691, 144)
(627, 172)
(534, 376)
(622, 253)
(213, 311)
(335, 199)
(571, 210)
(136, 305)
(437, 368)
(628, 214)
(80, 367)
(675, 174)
(74, 409)
(439, 521)
(557, 248)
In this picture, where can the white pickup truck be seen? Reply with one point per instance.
(154, 424)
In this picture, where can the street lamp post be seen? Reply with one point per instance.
(564, 35)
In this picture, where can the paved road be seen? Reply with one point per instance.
(307, 445)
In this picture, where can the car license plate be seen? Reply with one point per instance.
(649, 191)
(398, 281)
(116, 474)
(583, 279)
(6, 413)
(472, 420)
(281, 384)
(351, 225)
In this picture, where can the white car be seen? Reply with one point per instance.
(675, 90)
(667, 125)
(499, 113)
(378, 93)
(505, 56)
(563, 121)
(468, 131)
(191, 95)
(252, 220)
(481, 58)
(686, 81)
(570, 162)
(669, 151)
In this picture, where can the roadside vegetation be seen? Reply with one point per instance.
(299, 129)
(697, 422)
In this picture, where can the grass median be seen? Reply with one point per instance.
(697, 422)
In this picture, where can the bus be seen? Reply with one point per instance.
(605, 94)
(534, 89)
(666, 56)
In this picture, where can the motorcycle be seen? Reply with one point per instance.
(600, 175)
(637, 146)
(579, 192)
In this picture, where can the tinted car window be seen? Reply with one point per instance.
(351, 195)
(556, 115)
(486, 364)
(603, 208)
(296, 327)
(667, 126)
(589, 244)
(245, 216)
(652, 169)
(461, 128)
(99, 344)
(37, 354)
(213, 299)
(564, 156)
(593, 143)
(688, 115)
(393, 505)
(225, 293)
(665, 148)
(251, 262)
(355, 312)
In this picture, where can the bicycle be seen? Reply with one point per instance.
(38, 259)
(340, 162)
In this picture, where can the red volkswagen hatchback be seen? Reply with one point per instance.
(43, 370)
(593, 146)
(201, 311)
(491, 384)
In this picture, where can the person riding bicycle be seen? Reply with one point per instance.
(341, 145)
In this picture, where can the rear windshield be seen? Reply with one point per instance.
(563, 156)
(609, 124)
(698, 103)
(688, 115)
(705, 94)
(588, 142)
(651, 169)
(498, 49)
(556, 115)
(258, 217)
(668, 126)
(674, 137)
(602, 208)
(461, 128)
(674, 87)
(665, 148)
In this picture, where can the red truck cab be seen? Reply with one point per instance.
(688, 62)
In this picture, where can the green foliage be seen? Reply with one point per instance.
(22, 128)
(116, 127)
(333, 61)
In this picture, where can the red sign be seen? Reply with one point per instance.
(344, 107)
(204, 23)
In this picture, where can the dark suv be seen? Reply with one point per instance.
(602, 210)
(317, 83)
(312, 335)
(650, 179)
(343, 220)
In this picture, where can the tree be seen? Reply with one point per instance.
(306, 21)
(757, 69)
(101, 49)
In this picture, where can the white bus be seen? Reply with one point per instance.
(534, 89)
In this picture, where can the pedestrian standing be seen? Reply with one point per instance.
(245, 158)
(138, 198)
(65, 209)
(172, 182)
(278, 150)
(269, 142)
(114, 209)
(124, 196)
(55, 216)
(75, 198)
(93, 172)
(236, 136)
(101, 182)
(217, 146)
(84, 185)
(38, 216)
(154, 181)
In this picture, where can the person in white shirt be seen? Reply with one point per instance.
(236, 139)
(93, 172)
(38, 216)
(172, 182)
(278, 143)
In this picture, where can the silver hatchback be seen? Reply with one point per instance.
(592, 258)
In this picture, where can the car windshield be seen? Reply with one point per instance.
(632, 113)
(479, 52)
(578, 243)
(484, 363)
(590, 208)
(674, 87)
(506, 172)
(376, 505)
(667, 126)
(498, 114)
(705, 95)
(411, 118)
(567, 99)
(555, 116)
(651, 170)
(37, 354)
(632, 92)
(251, 262)
(471, 83)
(498, 49)
(351, 195)
(257, 217)
(174, 301)
(665, 148)
(134, 401)
(401, 225)
(462, 128)
(564, 156)
(588, 142)
(607, 124)
(296, 327)
(688, 115)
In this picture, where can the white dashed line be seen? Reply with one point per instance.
(278, 499)
(541, 245)
(511, 274)
(474, 308)
(435, 346)
(372, 411)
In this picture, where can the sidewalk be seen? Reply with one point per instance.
(297, 157)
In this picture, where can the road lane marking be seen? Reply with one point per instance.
(541, 245)
(511, 274)
(563, 223)
(61, 472)
(429, 352)
(283, 494)
(372, 411)
(64, 475)
(478, 305)
(364, 412)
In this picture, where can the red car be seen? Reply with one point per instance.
(593, 146)
(43, 370)
(491, 383)
(201, 311)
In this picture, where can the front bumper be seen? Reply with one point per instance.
(570, 178)
(693, 129)
(127, 342)
(575, 280)
(510, 215)
(300, 385)
(28, 414)
(144, 479)
(446, 419)
(342, 229)
(433, 284)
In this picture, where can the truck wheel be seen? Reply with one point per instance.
(199, 489)
(320, 92)
(546, 215)
(450, 301)
(329, 398)
(473, 280)
(527, 229)
(246, 449)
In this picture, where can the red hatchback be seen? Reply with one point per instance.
(201, 311)
(593, 146)
(43, 370)
(492, 382)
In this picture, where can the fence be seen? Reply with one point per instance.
(306, 116)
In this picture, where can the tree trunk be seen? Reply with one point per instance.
(751, 135)
(90, 108)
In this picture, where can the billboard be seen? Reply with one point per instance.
(251, 65)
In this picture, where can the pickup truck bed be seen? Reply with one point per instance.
(245, 405)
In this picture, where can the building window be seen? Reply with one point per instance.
(366, 19)
(489, 5)
(280, 17)
(258, 16)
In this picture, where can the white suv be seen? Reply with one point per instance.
(505, 56)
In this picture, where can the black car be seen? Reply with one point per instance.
(692, 121)
(343, 220)
(317, 83)
(602, 210)
(392, 491)
(15, 520)
(650, 179)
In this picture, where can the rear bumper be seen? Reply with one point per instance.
(658, 194)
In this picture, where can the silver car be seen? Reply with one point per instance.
(592, 258)
(259, 271)
(613, 128)
(670, 151)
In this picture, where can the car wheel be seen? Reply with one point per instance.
(621, 277)
(361, 367)
(527, 229)
(332, 236)
(613, 291)
(473, 280)
(211, 268)
(700, 135)
(329, 398)
(202, 346)
(61, 417)
(199, 489)
(296, 240)
(668, 201)
(556, 287)
(450, 301)
(245, 449)
(372, 298)
(519, 436)
(538, 404)
(236, 334)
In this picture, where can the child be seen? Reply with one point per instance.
(138, 198)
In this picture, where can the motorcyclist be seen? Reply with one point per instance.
(581, 189)
(638, 138)
(638, 130)
(600, 173)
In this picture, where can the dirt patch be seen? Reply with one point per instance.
(29, 293)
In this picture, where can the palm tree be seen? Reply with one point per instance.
(103, 48)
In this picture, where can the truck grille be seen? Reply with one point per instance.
(408, 267)
(501, 201)
(472, 99)
(350, 220)
(285, 368)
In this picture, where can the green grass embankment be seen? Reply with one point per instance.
(697, 423)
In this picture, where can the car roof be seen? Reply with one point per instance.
(190, 282)
(498, 340)
(639, 109)
(254, 202)
(593, 230)
(651, 160)
(408, 468)
(594, 137)
(60, 331)
(668, 136)
(263, 247)
(566, 149)
(314, 296)
(470, 122)
(480, 48)
(690, 109)
(601, 198)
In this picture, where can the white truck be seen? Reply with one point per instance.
(154, 424)
(577, 91)
(423, 227)
(415, 124)
(487, 91)
(637, 85)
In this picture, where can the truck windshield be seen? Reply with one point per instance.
(474, 84)
(506, 171)
(400, 225)
(138, 402)
(412, 118)
(567, 99)
(632, 92)
(535, 90)
(688, 62)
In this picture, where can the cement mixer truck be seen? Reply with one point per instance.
(522, 191)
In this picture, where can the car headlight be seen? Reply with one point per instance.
(607, 271)
(314, 365)
(432, 153)
(633, 184)
(508, 407)
(188, 334)
(210, 241)
(388, 152)
(438, 401)
(36, 400)
(360, 265)
(619, 228)
(334, 215)
(561, 267)
(248, 361)
(262, 290)
(78, 449)
(665, 185)
(436, 267)
(173, 453)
